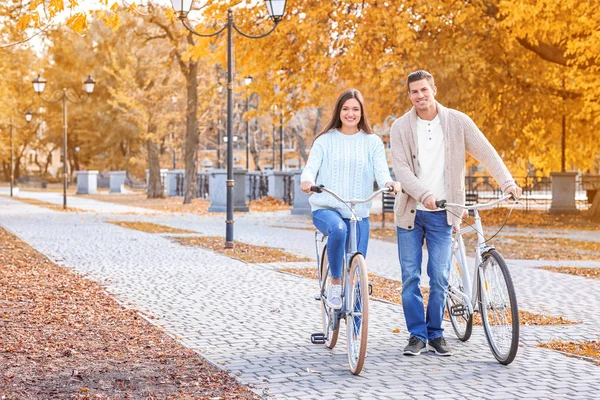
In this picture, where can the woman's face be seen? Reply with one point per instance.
(350, 114)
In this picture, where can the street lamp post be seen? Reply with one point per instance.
(28, 117)
(273, 147)
(276, 9)
(173, 150)
(247, 81)
(66, 95)
(281, 140)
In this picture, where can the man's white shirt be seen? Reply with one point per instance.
(432, 154)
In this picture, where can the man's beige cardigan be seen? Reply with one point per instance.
(461, 136)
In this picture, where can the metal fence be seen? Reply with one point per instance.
(288, 189)
(202, 185)
(258, 185)
(537, 191)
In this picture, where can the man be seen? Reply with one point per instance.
(429, 146)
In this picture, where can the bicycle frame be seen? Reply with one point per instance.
(458, 250)
(351, 251)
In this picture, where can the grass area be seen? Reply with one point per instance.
(589, 351)
(241, 251)
(45, 204)
(522, 247)
(520, 219)
(592, 273)
(149, 227)
(63, 337)
(536, 247)
(169, 204)
(391, 290)
(175, 204)
(268, 203)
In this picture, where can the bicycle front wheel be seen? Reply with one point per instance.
(458, 311)
(331, 335)
(499, 309)
(357, 318)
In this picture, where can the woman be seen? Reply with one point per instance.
(345, 158)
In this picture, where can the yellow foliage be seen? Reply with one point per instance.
(78, 22)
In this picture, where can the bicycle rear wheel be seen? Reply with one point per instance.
(331, 335)
(499, 309)
(462, 324)
(357, 319)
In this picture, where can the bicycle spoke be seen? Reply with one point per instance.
(357, 314)
(498, 299)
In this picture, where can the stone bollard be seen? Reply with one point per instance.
(218, 190)
(87, 182)
(301, 204)
(117, 181)
(277, 184)
(171, 182)
(563, 193)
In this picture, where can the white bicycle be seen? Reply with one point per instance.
(355, 291)
(492, 295)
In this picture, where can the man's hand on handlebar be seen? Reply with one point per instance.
(514, 191)
(429, 202)
(394, 185)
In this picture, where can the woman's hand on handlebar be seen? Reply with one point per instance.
(394, 185)
(306, 185)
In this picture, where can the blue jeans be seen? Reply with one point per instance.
(433, 228)
(331, 223)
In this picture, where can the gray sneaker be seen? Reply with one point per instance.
(439, 346)
(415, 347)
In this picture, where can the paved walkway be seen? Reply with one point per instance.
(256, 322)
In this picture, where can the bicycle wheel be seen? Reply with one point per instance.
(462, 324)
(357, 319)
(331, 336)
(499, 309)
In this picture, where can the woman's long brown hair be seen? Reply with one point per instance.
(336, 122)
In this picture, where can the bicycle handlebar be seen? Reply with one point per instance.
(321, 189)
(444, 203)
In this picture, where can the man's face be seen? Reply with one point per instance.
(422, 94)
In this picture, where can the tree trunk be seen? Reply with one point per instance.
(254, 148)
(301, 145)
(191, 133)
(155, 186)
(318, 121)
(594, 211)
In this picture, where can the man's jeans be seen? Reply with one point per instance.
(331, 223)
(434, 229)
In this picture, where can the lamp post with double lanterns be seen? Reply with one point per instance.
(66, 95)
(12, 126)
(276, 9)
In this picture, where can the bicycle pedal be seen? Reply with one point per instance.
(317, 296)
(457, 310)
(370, 289)
(317, 338)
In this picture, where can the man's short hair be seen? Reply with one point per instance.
(418, 75)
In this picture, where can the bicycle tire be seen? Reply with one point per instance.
(331, 336)
(500, 319)
(462, 325)
(357, 319)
